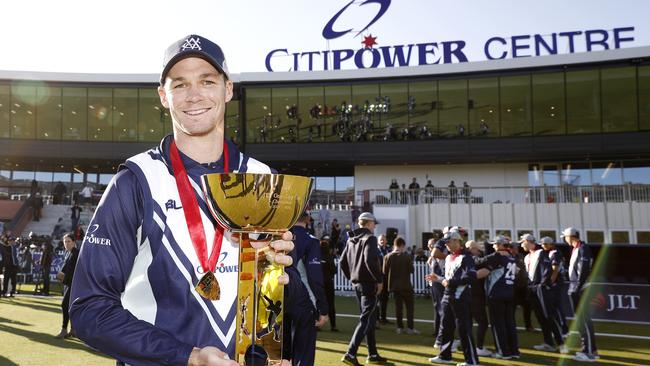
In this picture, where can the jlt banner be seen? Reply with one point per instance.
(619, 302)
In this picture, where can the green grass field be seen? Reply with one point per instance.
(28, 326)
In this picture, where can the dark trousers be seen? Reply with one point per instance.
(330, 297)
(543, 306)
(480, 317)
(10, 275)
(383, 302)
(46, 281)
(585, 326)
(367, 298)
(457, 314)
(404, 298)
(504, 329)
(437, 290)
(561, 298)
(299, 340)
(65, 306)
(522, 299)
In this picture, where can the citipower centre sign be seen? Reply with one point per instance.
(371, 53)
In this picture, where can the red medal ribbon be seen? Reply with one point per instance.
(192, 212)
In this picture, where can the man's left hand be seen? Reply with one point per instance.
(322, 319)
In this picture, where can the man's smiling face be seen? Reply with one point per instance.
(196, 95)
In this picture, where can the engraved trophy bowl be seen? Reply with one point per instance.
(257, 205)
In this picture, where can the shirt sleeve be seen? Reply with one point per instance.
(103, 268)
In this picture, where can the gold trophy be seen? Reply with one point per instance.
(258, 206)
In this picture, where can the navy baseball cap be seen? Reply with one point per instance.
(194, 46)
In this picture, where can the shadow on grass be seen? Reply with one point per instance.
(6, 362)
(50, 307)
(48, 339)
(11, 321)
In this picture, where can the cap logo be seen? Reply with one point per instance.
(192, 44)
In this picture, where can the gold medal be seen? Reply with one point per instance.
(208, 287)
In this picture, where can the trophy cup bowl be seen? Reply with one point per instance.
(253, 203)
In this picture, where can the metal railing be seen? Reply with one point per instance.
(515, 194)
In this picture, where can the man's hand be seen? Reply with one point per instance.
(279, 247)
(60, 276)
(445, 283)
(431, 277)
(322, 319)
(209, 356)
(380, 286)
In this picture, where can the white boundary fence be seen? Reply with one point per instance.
(417, 278)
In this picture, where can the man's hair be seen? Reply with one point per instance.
(399, 241)
(68, 235)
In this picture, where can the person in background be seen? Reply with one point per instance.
(556, 284)
(538, 268)
(65, 276)
(46, 265)
(360, 264)
(437, 267)
(9, 254)
(383, 295)
(460, 274)
(329, 271)
(75, 215)
(37, 205)
(335, 233)
(479, 313)
(579, 271)
(398, 267)
(521, 288)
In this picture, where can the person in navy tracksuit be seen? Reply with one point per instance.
(460, 274)
(538, 267)
(557, 284)
(306, 317)
(500, 268)
(579, 271)
(437, 267)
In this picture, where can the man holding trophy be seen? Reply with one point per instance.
(161, 273)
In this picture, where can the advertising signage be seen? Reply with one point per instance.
(371, 52)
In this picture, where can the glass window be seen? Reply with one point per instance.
(44, 179)
(258, 115)
(105, 178)
(644, 97)
(395, 108)
(151, 115)
(284, 108)
(48, 113)
(515, 106)
(620, 237)
(125, 114)
(550, 175)
(484, 107)
(548, 104)
(23, 121)
(344, 189)
(534, 175)
(452, 95)
(636, 172)
(100, 112)
(369, 109)
(619, 99)
(232, 120)
(75, 113)
(5, 111)
(607, 173)
(337, 108)
(423, 107)
(504, 232)
(550, 233)
(595, 237)
(482, 235)
(643, 237)
(25, 176)
(310, 112)
(5, 174)
(583, 102)
(576, 174)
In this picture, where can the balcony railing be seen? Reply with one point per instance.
(520, 194)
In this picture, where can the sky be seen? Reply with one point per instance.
(130, 36)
